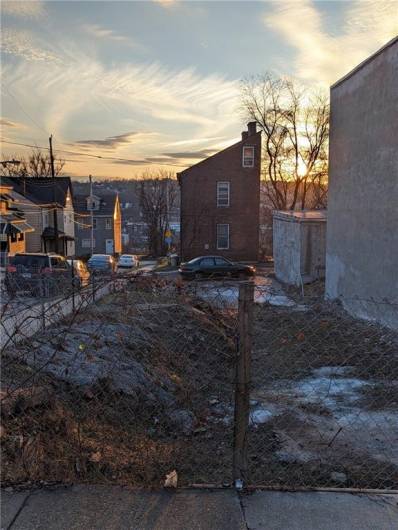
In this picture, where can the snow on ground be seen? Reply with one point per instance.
(266, 290)
(322, 417)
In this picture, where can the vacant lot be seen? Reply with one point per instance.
(124, 392)
(324, 399)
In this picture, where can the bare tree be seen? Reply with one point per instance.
(295, 125)
(157, 195)
(37, 164)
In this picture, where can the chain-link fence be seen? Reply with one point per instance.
(125, 380)
(130, 378)
(323, 395)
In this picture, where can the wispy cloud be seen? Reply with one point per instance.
(30, 9)
(150, 94)
(99, 32)
(23, 44)
(112, 142)
(12, 124)
(196, 155)
(165, 3)
(324, 57)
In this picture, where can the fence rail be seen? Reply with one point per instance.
(133, 377)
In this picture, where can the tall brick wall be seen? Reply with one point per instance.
(200, 213)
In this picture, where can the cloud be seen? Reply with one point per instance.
(165, 100)
(99, 32)
(166, 3)
(204, 153)
(30, 9)
(324, 57)
(111, 142)
(21, 43)
(8, 123)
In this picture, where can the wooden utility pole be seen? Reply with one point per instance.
(92, 215)
(56, 248)
(242, 383)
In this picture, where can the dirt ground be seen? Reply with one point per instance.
(130, 390)
(324, 399)
(142, 383)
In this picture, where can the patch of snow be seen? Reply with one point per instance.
(260, 415)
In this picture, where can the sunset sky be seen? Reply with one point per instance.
(157, 83)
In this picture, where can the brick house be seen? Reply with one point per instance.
(220, 199)
(107, 224)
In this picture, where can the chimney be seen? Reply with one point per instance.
(245, 134)
(251, 128)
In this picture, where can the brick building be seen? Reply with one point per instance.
(220, 199)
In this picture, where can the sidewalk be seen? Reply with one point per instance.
(115, 508)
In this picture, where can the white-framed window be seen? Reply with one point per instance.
(223, 194)
(248, 156)
(108, 223)
(86, 243)
(223, 237)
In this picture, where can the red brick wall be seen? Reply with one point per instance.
(200, 214)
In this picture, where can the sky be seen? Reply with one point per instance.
(149, 84)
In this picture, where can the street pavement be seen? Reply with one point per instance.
(114, 508)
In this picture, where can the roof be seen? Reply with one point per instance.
(365, 62)
(301, 216)
(107, 203)
(41, 189)
(230, 147)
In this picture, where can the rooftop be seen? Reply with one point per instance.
(301, 215)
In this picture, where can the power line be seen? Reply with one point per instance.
(85, 154)
(23, 110)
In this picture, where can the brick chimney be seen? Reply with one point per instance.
(245, 134)
(251, 128)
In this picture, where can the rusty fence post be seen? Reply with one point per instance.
(242, 383)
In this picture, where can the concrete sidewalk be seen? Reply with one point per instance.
(114, 508)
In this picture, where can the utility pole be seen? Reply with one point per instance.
(54, 196)
(92, 215)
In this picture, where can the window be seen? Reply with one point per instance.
(207, 262)
(108, 224)
(222, 193)
(248, 156)
(221, 262)
(94, 223)
(86, 243)
(222, 237)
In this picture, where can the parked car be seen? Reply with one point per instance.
(214, 267)
(81, 274)
(37, 273)
(101, 263)
(127, 261)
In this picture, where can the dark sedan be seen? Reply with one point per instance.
(214, 267)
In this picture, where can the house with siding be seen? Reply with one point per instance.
(39, 199)
(104, 235)
(13, 225)
(220, 198)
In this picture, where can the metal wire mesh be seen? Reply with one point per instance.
(122, 381)
(131, 377)
(324, 395)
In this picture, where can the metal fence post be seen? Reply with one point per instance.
(242, 383)
(92, 278)
(42, 301)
